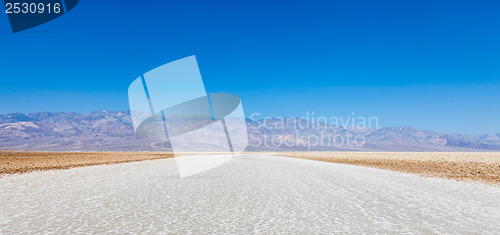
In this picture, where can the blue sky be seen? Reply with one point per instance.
(432, 65)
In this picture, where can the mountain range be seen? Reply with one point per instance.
(113, 131)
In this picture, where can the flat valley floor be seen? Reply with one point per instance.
(476, 166)
(252, 193)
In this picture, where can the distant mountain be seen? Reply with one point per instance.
(113, 131)
(99, 130)
(363, 139)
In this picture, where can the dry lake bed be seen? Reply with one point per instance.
(253, 193)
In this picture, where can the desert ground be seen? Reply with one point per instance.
(251, 193)
(477, 166)
(12, 162)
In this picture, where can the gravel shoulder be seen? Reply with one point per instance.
(12, 162)
(477, 166)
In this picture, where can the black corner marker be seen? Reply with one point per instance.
(26, 14)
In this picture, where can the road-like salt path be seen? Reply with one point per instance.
(250, 194)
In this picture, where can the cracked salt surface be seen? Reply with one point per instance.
(251, 194)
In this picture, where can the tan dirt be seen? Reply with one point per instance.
(12, 162)
(478, 166)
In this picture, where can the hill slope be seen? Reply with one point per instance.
(113, 131)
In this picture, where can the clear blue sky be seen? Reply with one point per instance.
(432, 65)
